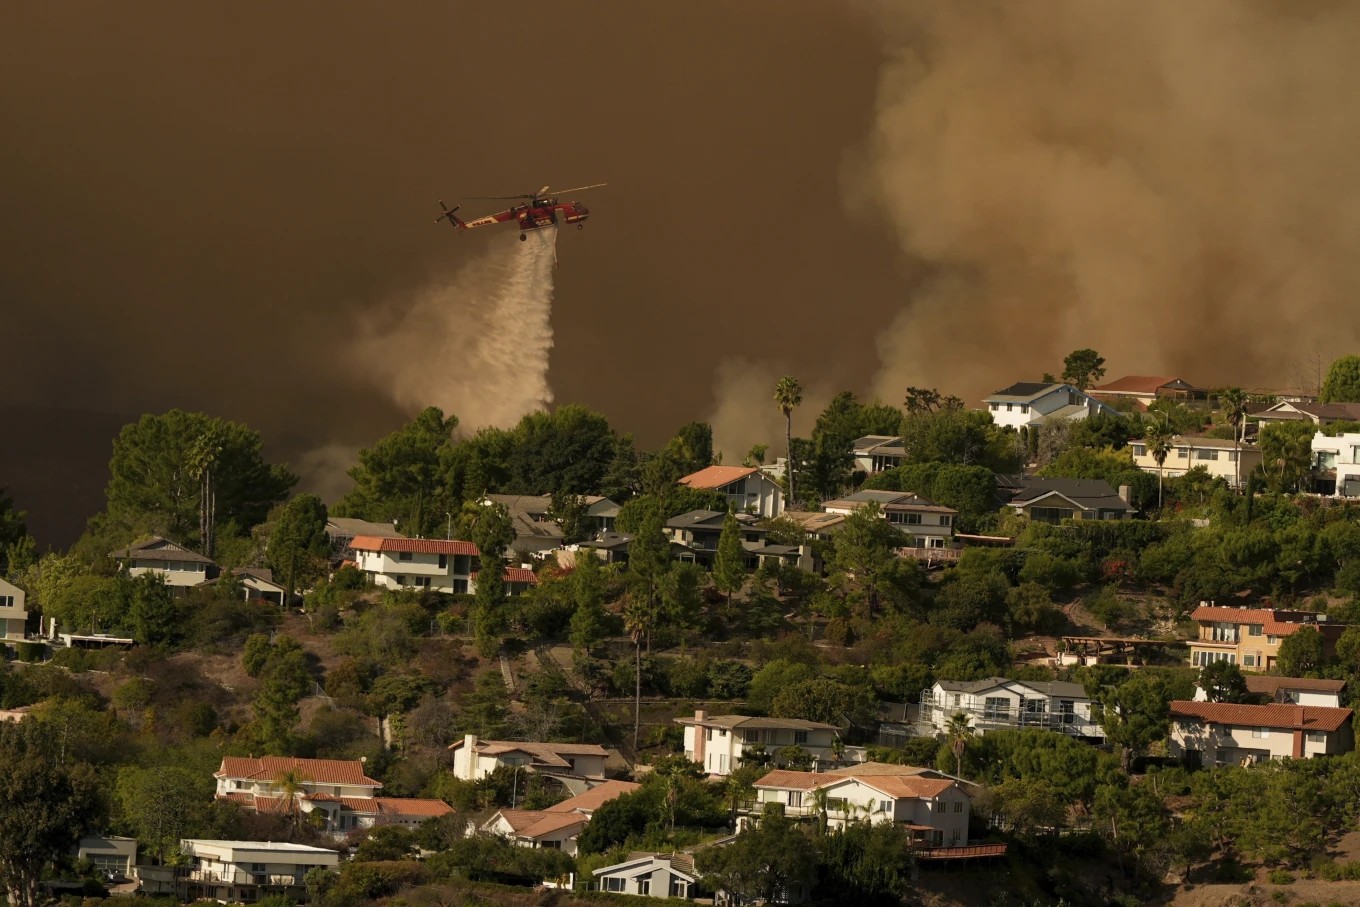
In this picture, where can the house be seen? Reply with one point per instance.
(1000, 704)
(180, 567)
(698, 532)
(585, 804)
(930, 525)
(579, 766)
(748, 489)
(720, 742)
(1141, 390)
(12, 611)
(536, 530)
(113, 856)
(1317, 413)
(258, 583)
(1218, 456)
(1055, 500)
(878, 453)
(933, 808)
(1336, 464)
(343, 530)
(337, 788)
(237, 871)
(657, 875)
(436, 565)
(1290, 690)
(1036, 402)
(610, 547)
(537, 828)
(816, 523)
(1222, 733)
(1251, 637)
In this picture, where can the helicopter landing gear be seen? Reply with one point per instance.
(580, 226)
(523, 237)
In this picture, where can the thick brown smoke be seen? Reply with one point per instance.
(1173, 184)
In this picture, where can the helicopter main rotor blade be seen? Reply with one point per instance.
(496, 198)
(578, 189)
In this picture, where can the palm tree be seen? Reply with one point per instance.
(1234, 403)
(819, 803)
(788, 393)
(1158, 438)
(637, 620)
(291, 785)
(957, 730)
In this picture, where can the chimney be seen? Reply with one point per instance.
(1125, 492)
(699, 737)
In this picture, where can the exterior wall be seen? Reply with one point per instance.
(1342, 455)
(12, 613)
(563, 839)
(721, 748)
(1229, 744)
(653, 879)
(180, 574)
(1218, 457)
(1236, 643)
(756, 493)
(853, 800)
(389, 570)
(935, 530)
(267, 788)
(1042, 511)
(939, 705)
(227, 873)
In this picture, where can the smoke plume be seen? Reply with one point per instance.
(476, 346)
(1172, 184)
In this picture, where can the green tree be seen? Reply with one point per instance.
(1301, 653)
(957, 436)
(788, 395)
(864, 548)
(402, 477)
(1233, 401)
(958, 731)
(1134, 714)
(1342, 384)
(824, 699)
(284, 681)
(298, 548)
(569, 449)
(1223, 681)
(1158, 438)
(729, 567)
(639, 615)
(156, 616)
(1286, 454)
(154, 489)
(588, 590)
(681, 595)
(763, 863)
(866, 863)
(160, 805)
(693, 447)
(46, 806)
(493, 533)
(1083, 368)
(13, 530)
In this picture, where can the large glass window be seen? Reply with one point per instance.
(996, 708)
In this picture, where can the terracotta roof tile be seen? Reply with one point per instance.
(319, 771)
(1275, 715)
(717, 476)
(415, 546)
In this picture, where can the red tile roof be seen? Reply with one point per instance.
(515, 575)
(1275, 715)
(1277, 621)
(1135, 384)
(415, 546)
(319, 771)
(717, 476)
(907, 784)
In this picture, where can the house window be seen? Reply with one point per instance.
(1139, 450)
(958, 806)
(6, 601)
(795, 798)
(612, 883)
(1260, 733)
(401, 580)
(1182, 453)
(996, 708)
(1255, 629)
(708, 733)
(551, 845)
(1024, 407)
(1206, 455)
(954, 836)
(836, 804)
(257, 867)
(404, 555)
(1317, 737)
(644, 884)
(913, 519)
(995, 406)
(946, 520)
(800, 737)
(1248, 661)
(1272, 640)
(679, 887)
(443, 562)
(1008, 407)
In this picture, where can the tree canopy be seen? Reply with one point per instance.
(1082, 368)
(1342, 384)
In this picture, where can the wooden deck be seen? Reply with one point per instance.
(969, 852)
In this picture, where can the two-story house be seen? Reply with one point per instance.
(1036, 402)
(536, 528)
(340, 531)
(1251, 637)
(1222, 459)
(236, 871)
(720, 742)
(747, 488)
(1223, 733)
(180, 567)
(696, 535)
(878, 453)
(930, 525)
(933, 808)
(1336, 464)
(12, 614)
(579, 766)
(437, 565)
(1055, 500)
(997, 703)
(655, 875)
(336, 788)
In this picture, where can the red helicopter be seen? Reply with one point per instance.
(537, 209)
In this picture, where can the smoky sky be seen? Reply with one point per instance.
(217, 206)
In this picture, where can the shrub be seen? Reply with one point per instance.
(1280, 877)
(31, 652)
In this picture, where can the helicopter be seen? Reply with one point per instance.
(534, 210)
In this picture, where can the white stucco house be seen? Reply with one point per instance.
(1336, 464)
(537, 828)
(1222, 733)
(930, 525)
(719, 742)
(12, 612)
(878, 453)
(336, 788)
(578, 765)
(1036, 402)
(181, 568)
(997, 703)
(933, 808)
(437, 565)
(747, 488)
(237, 871)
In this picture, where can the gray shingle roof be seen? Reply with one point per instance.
(1058, 688)
(1092, 494)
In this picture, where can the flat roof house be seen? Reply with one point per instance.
(237, 871)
